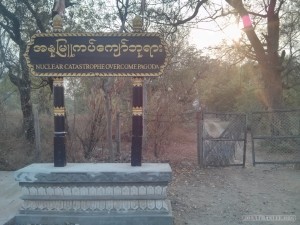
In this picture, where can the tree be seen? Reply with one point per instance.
(290, 33)
(264, 23)
(265, 51)
(223, 81)
(19, 20)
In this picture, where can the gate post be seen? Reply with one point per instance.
(199, 118)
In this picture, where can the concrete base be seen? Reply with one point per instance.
(95, 220)
(90, 194)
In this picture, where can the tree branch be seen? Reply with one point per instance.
(35, 15)
(122, 15)
(8, 30)
(249, 30)
(15, 23)
(196, 11)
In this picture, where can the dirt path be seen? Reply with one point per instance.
(222, 196)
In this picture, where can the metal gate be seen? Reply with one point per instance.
(224, 138)
(275, 137)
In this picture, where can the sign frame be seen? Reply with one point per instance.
(162, 52)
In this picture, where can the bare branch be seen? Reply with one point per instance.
(36, 17)
(196, 11)
(15, 28)
(122, 13)
(8, 30)
(252, 36)
(280, 5)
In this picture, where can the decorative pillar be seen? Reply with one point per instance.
(59, 123)
(137, 121)
(59, 110)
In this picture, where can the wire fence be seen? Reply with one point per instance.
(275, 137)
(157, 129)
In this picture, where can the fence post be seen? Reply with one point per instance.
(199, 118)
(145, 103)
(245, 141)
(252, 140)
(37, 135)
(118, 133)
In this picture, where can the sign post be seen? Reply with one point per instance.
(59, 110)
(60, 55)
(137, 121)
(105, 193)
(137, 109)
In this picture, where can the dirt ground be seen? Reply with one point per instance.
(223, 196)
(211, 196)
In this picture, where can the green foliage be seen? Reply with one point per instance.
(250, 99)
(220, 88)
(76, 91)
(42, 99)
(9, 96)
(292, 97)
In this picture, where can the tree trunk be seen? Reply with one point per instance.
(24, 89)
(268, 59)
(28, 120)
(107, 88)
(273, 89)
(23, 84)
(19, 75)
(109, 126)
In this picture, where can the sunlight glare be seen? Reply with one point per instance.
(202, 38)
(232, 33)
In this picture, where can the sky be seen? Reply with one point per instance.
(208, 35)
